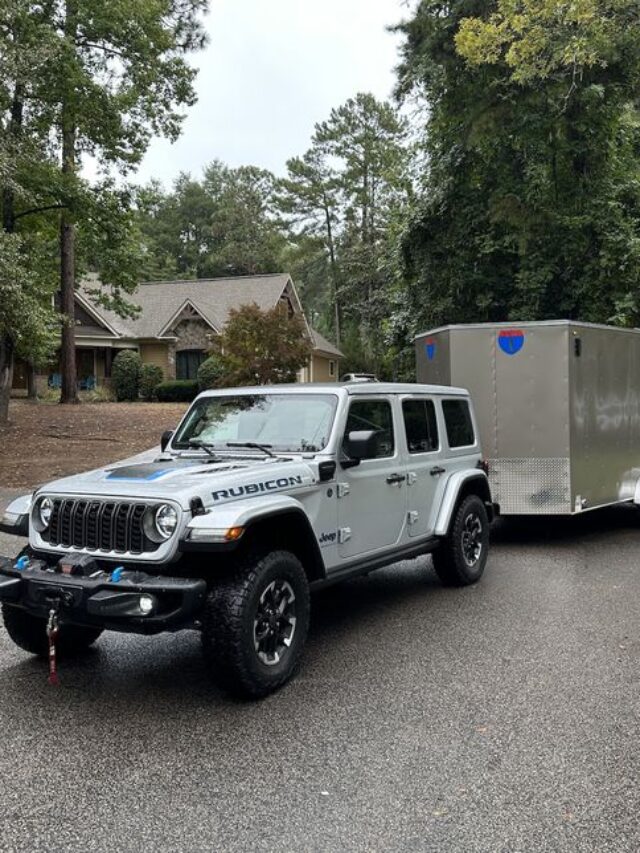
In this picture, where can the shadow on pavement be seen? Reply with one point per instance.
(538, 530)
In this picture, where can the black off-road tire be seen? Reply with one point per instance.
(30, 634)
(229, 624)
(452, 559)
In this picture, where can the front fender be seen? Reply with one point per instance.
(214, 526)
(15, 520)
(455, 484)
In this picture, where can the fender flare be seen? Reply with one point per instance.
(248, 514)
(452, 491)
(15, 520)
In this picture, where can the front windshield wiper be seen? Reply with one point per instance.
(208, 448)
(253, 445)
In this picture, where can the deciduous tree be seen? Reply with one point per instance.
(530, 207)
(262, 347)
(118, 76)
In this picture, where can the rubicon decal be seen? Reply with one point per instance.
(257, 488)
(511, 341)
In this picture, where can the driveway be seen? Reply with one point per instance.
(502, 717)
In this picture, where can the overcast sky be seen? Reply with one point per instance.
(271, 70)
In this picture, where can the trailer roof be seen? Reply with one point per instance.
(527, 324)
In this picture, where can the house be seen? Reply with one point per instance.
(177, 322)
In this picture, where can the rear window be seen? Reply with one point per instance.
(420, 425)
(457, 418)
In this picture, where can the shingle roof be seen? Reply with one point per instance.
(161, 301)
(323, 345)
(213, 298)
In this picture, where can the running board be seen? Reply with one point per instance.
(363, 567)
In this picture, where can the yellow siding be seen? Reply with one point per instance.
(321, 369)
(156, 354)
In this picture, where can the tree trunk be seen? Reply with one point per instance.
(334, 275)
(6, 376)
(7, 346)
(68, 371)
(32, 390)
(67, 307)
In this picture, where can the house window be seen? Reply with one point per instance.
(332, 368)
(187, 363)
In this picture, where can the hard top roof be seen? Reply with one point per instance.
(359, 389)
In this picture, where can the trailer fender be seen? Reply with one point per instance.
(457, 485)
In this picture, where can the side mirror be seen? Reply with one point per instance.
(166, 438)
(361, 444)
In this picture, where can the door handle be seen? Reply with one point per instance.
(435, 472)
(396, 478)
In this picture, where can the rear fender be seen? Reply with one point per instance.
(460, 483)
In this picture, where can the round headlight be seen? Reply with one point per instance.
(45, 509)
(166, 521)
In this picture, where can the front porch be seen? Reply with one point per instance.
(93, 366)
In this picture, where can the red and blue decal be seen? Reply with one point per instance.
(430, 348)
(511, 341)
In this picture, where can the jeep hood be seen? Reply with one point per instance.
(152, 475)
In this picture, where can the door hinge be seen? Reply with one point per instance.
(344, 534)
(342, 489)
(411, 478)
(412, 516)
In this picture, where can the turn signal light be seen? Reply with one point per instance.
(233, 533)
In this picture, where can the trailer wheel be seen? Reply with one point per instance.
(462, 556)
(255, 624)
(29, 633)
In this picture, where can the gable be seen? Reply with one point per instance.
(187, 313)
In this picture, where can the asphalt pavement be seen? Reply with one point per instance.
(503, 717)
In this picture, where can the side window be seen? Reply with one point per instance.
(373, 415)
(420, 425)
(457, 418)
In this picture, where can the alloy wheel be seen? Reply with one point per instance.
(274, 625)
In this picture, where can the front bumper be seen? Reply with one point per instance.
(98, 601)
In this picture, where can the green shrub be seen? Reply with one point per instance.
(210, 373)
(177, 391)
(125, 376)
(100, 394)
(150, 377)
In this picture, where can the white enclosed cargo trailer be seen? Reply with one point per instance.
(558, 407)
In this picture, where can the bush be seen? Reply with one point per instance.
(210, 373)
(101, 394)
(177, 391)
(150, 377)
(125, 376)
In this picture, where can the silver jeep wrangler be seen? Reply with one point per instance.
(259, 496)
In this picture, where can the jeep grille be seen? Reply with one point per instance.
(99, 526)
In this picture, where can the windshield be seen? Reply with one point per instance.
(297, 423)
